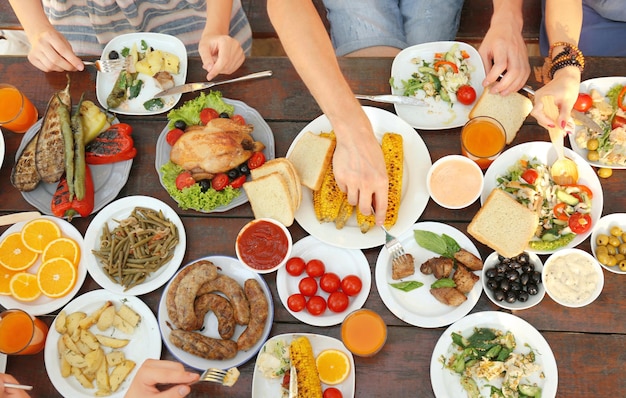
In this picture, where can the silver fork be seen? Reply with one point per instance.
(108, 65)
(224, 377)
(393, 245)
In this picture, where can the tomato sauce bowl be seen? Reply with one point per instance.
(263, 245)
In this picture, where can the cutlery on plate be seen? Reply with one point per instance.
(17, 217)
(190, 87)
(108, 65)
(393, 99)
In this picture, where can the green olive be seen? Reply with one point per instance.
(622, 265)
(614, 241)
(602, 240)
(616, 231)
(603, 258)
(602, 250)
(622, 248)
(612, 250)
(604, 172)
(619, 257)
(593, 144)
(594, 156)
(612, 261)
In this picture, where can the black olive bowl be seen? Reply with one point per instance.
(513, 283)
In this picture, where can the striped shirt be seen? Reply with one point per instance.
(90, 24)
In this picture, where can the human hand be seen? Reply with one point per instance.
(564, 88)
(10, 392)
(220, 54)
(154, 371)
(51, 52)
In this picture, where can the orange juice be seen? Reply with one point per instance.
(482, 140)
(17, 113)
(21, 334)
(364, 332)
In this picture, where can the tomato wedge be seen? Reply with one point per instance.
(530, 175)
(579, 223)
(583, 188)
(559, 211)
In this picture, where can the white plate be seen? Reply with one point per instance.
(117, 211)
(263, 387)
(144, 342)
(158, 41)
(446, 383)
(108, 180)
(603, 226)
(418, 307)
(261, 132)
(414, 191)
(343, 262)
(439, 115)
(1, 148)
(233, 268)
(602, 84)
(545, 153)
(44, 304)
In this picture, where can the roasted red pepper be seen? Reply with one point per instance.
(113, 145)
(63, 207)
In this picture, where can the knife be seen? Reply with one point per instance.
(17, 217)
(190, 87)
(393, 99)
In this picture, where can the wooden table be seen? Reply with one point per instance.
(588, 343)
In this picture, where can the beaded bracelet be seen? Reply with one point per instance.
(569, 56)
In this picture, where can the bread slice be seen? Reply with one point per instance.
(284, 167)
(310, 156)
(510, 110)
(269, 197)
(504, 224)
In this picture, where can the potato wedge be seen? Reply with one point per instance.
(112, 342)
(76, 360)
(60, 322)
(73, 320)
(82, 347)
(70, 344)
(123, 326)
(114, 358)
(91, 320)
(102, 378)
(89, 339)
(94, 359)
(106, 318)
(82, 379)
(119, 374)
(129, 315)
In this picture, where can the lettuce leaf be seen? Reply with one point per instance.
(189, 112)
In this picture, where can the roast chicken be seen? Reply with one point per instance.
(218, 147)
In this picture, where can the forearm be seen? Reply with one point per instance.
(563, 20)
(31, 16)
(508, 12)
(217, 17)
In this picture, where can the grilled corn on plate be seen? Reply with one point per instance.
(302, 358)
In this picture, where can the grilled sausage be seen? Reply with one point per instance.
(259, 310)
(222, 310)
(235, 294)
(203, 346)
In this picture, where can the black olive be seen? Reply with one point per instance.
(492, 284)
(244, 169)
(114, 54)
(524, 278)
(505, 285)
(523, 258)
(204, 185)
(514, 265)
(511, 297)
(522, 296)
(224, 115)
(512, 275)
(501, 258)
(516, 286)
(180, 124)
(532, 289)
(491, 272)
(233, 173)
(499, 295)
(501, 268)
(536, 277)
(528, 267)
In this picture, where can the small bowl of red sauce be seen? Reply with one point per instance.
(263, 245)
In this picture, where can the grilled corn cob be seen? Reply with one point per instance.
(328, 199)
(345, 211)
(302, 358)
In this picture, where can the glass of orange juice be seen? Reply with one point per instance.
(482, 139)
(17, 113)
(21, 333)
(364, 332)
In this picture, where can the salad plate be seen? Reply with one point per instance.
(144, 342)
(111, 215)
(157, 41)
(419, 307)
(603, 226)
(263, 386)
(446, 383)
(342, 262)
(602, 85)
(414, 190)
(108, 179)
(439, 114)
(545, 153)
(44, 304)
(234, 269)
(261, 132)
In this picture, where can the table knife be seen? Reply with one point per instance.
(17, 217)
(393, 99)
(190, 87)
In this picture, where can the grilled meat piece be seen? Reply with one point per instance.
(469, 260)
(464, 279)
(259, 309)
(449, 295)
(222, 310)
(402, 267)
(441, 267)
(235, 294)
(203, 346)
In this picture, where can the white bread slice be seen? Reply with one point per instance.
(310, 156)
(269, 197)
(510, 110)
(284, 167)
(504, 224)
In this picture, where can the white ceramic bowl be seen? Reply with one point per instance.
(263, 245)
(533, 299)
(454, 182)
(603, 226)
(572, 277)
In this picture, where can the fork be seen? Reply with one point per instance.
(224, 377)
(393, 245)
(108, 65)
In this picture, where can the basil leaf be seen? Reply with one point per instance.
(407, 286)
(453, 247)
(443, 282)
(430, 241)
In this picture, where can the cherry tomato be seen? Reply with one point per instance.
(256, 160)
(530, 175)
(315, 268)
(332, 392)
(239, 119)
(330, 282)
(295, 266)
(238, 182)
(307, 286)
(296, 302)
(173, 136)
(338, 301)
(579, 223)
(351, 285)
(219, 181)
(316, 305)
(583, 102)
(208, 114)
(184, 180)
(618, 121)
(466, 94)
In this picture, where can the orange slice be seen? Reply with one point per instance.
(56, 277)
(14, 255)
(24, 287)
(62, 247)
(36, 234)
(5, 280)
(333, 366)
